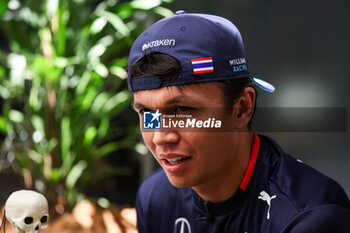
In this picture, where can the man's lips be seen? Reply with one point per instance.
(173, 158)
(173, 162)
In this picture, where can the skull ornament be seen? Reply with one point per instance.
(27, 211)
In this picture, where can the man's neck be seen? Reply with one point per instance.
(223, 187)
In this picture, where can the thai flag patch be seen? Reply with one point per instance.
(202, 65)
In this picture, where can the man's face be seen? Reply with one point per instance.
(190, 158)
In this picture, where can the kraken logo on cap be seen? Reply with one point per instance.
(158, 43)
(144, 47)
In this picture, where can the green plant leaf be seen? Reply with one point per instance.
(145, 4)
(66, 138)
(5, 92)
(52, 144)
(84, 81)
(2, 72)
(101, 70)
(3, 7)
(38, 124)
(55, 175)
(89, 136)
(116, 22)
(16, 116)
(96, 51)
(99, 102)
(43, 68)
(106, 149)
(63, 16)
(103, 128)
(119, 72)
(67, 164)
(125, 10)
(35, 156)
(162, 11)
(97, 25)
(17, 63)
(3, 125)
(29, 16)
(75, 173)
(35, 102)
(88, 98)
(62, 62)
(117, 102)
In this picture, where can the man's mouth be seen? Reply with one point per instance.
(175, 161)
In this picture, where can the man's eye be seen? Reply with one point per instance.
(141, 111)
(182, 109)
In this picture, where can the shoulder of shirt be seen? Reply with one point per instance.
(323, 218)
(303, 186)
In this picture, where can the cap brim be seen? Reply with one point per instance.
(263, 84)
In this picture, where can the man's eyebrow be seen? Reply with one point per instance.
(175, 100)
(137, 105)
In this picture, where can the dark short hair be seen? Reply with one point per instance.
(160, 64)
(155, 64)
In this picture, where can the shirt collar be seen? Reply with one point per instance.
(238, 198)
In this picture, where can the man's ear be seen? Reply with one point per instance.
(244, 108)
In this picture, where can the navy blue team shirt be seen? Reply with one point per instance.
(278, 194)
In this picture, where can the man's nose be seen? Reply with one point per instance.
(165, 137)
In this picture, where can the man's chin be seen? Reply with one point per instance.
(179, 182)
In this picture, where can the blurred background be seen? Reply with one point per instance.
(66, 126)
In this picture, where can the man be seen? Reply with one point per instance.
(222, 177)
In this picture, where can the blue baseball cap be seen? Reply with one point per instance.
(208, 47)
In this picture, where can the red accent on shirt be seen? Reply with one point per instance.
(251, 164)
